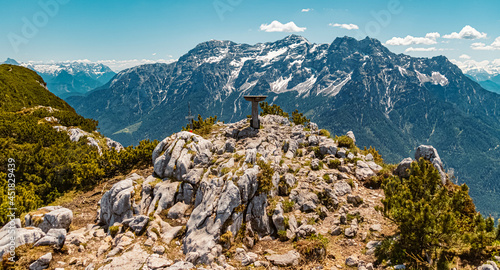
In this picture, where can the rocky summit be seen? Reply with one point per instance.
(282, 196)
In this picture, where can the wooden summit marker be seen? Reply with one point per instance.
(255, 109)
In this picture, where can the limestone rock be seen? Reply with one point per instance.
(430, 153)
(55, 217)
(284, 260)
(403, 167)
(342, 188)
(352, 260)
(129, 260)
(116, 204)
(178, 210)
(137, 224)
(54, 237)
(350, 134)
(363, 170)
(42, 262)
(23, 235)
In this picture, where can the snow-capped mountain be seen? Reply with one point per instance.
(71, 77)
(393, 102)
(486, 73)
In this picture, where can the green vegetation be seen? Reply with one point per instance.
(265, 177)
(324, 132)
(113, 230)
(299, 118)
(202, 126)
(376, 156)
(334, 163)
(274, 109)
(312, 248)
(435, 223)
(48, 164)
(345, 141)
(288, 205)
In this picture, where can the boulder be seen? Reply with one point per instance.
(350, 134)
(248, 184)
(137, 224)
(42, 262)
(177, 211)
(164, 195)
(54, 237)
(216, 201)
(174, 156)
(354, 199)
(313, 140)
(278, 218)
(114, 145)
(181, 265)
(284, 260)
(363, 170)
(256, 216)
(305, 199)
(489, 265)
(430, 153)
(117, 203)
(341, 188)
(251, 156)
(50, 217)
(328, 147)
(403, 167)
(156, 262)
(23, 236)
(352, 260)
(132, 259)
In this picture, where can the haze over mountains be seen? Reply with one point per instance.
(70, 78)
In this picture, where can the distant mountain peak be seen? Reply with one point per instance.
(11, 61)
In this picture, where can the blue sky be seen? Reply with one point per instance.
(112, 30)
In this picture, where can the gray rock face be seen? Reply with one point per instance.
(137, 224)
(315, 164)
(248, 184)
(288, 259)
(363, 170)
(178, 210)
(290, 148)
(402, 168)
(251, 156)
(129, 260)
(164, 195)
(354, 199)
(278, 218)
(116, 204)
(23, 235)
(54, 217)
(178, 151)
(257, 217)
(430, 153)
(216, 200)
(313, 140)
(350, 134)
(181, 265)
(489, 265)
(305, 199)
(341, 188)
(54, 237)
(352, 260)
(328, 147)
(42, 262)
(114, 145)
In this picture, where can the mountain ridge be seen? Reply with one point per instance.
(391, 101)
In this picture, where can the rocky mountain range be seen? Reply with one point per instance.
(70, 78)
(393, 102)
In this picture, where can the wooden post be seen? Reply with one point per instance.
(255, 109)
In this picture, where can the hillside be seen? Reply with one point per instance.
(285, 196)
(47, 148)
(392, 102)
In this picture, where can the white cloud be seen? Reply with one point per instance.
(306, 9)
(464, 56)
(483, 47)
(429, 39)
(276, 26)
(348, 26)
(468, 32)
(411, 49)
(154, 53)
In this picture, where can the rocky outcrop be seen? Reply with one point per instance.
(430, 153)
(117, 204)
(172, 156)
(50, 217)
(28, 235)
